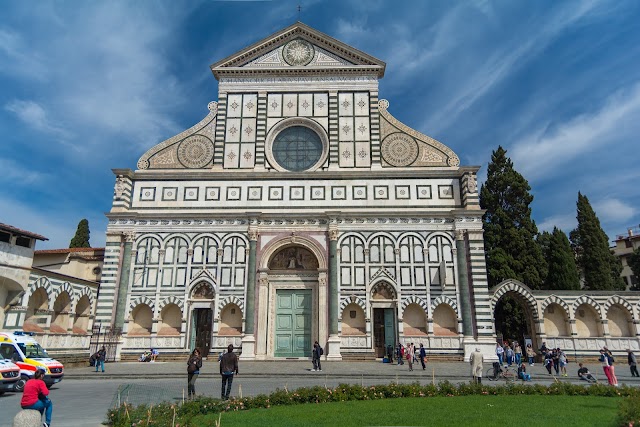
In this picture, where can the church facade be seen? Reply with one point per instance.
(298, 210)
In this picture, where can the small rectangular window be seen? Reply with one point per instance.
(352, 314)
(5, 237)
(23, 241)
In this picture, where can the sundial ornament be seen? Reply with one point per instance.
(298, 52)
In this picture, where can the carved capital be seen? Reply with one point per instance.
(396, 251)
(253, 235)
(130, 236)
(189, 252)
(460, 234)
(220, 251)
(366, 252)
(263, 281)
(322, 281)
(333, 234)
(161, 252)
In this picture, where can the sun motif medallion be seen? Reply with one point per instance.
(298, 52)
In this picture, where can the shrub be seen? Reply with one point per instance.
(629, 412)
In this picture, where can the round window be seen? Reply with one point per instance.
(297, 148)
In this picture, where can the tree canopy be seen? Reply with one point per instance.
(561, 263)
(512, 252)
(599, 266)
(81, 239)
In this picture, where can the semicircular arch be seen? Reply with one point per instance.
(516, 287)
(554, 299)
(352, 299)
(585, 299)
(443, 299)
(303, 241)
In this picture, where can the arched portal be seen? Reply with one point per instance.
(515, 313)
(292, 298)
(384, 301)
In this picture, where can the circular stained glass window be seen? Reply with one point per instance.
(297, 148)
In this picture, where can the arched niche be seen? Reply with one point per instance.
(230, 320)
(170, 320)
(620, 321)
(141, 321)
(293, 258)
(83, 311)
(61, 309)
(414, 320)
(353, 321)
(587, 322)
(37, 306)
(445, 322)
(556, 321)
(202, 290)
(383, 291)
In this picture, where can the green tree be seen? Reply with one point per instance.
(81, 239)
(634, 264)
(562, 269)
(600, 268)
(512, 252)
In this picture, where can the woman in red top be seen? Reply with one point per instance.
(35, 397)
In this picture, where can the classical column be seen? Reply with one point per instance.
(249, 340)
(123, 284)
(463, 280)
(333, 344)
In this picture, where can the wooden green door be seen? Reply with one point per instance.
(293, 323)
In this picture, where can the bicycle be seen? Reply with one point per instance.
(507, 374)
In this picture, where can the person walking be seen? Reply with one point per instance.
(604, 361)
(315, 357)
(228, 367)
(476, 360)
(499, 353)
(36, 396)
(548, 361)
(517, 351)
(423, 356)
(400, 354)
(531, 355)
(409, 355)
(101, 355)
(193, 370)
(509, 354)
(556, 360)
(633, 365)
(562, 358)
(612, 368)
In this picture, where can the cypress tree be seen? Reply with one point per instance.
(81, 239)
(512, 252)
(563, 272)
(600, 268)
(634, 264)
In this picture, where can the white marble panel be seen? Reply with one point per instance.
(324, 122)
(234, 130)
(247, 155)
(345, 129)
(234, 106)
(290, 105)
(274, 105)
(346, 154)
(249, 105)
(305, 104)
(361, 129)
(345, 104)
(320, 104)
(231, 155)
(363, 154)
(248, 130)
(361, 104)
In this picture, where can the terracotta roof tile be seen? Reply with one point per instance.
(15, 230)
(67, 250)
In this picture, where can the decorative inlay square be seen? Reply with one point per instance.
(445, 191)
(147, 194)
(191, 193)
(423, 191)
(359, 192)
(212, 193)
(296, 193)
(380, 192)
(255, 193)
(338, 193)
(402, 192)
(276, 193)
(169, 194)
(234, 193)
(317, 193)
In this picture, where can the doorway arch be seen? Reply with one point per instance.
(515, 312)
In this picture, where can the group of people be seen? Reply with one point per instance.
(228, 362)
(510, 354)
(150, 355)
(554, 359)
(408, 353)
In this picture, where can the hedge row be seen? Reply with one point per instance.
(168, 415)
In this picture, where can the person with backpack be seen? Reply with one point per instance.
(193, 370)
(315, 357)
(101, 355)
(423, 356)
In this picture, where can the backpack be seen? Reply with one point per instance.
(320, 351)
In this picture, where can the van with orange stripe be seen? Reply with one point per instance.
(23, 350)
(9, 375)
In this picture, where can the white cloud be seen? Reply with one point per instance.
(614, 210)
(15, 174)
(34, 115)
(564, 221)
(538, 155)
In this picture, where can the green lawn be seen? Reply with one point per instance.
(482, 411)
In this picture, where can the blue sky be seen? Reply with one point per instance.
(90, 86)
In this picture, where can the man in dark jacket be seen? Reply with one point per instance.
(633, 365)
(101, 355)
(228, 367)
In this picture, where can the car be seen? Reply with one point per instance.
(9, 375)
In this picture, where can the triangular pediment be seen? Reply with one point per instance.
(298, 48)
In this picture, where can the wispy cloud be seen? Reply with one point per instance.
(16, 59)
(15, 174)
(34, 116)
(564, 221)
(615, 210)
(538, 155)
